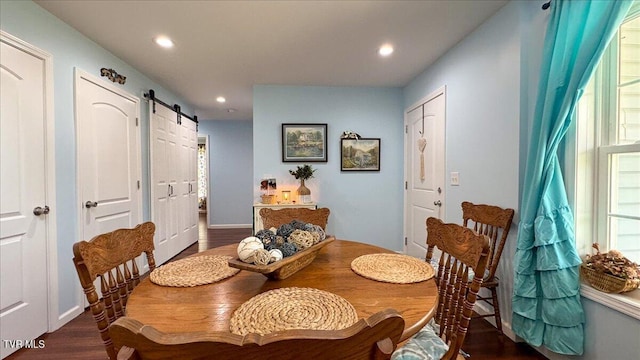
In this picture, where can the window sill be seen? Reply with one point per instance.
(627, 303)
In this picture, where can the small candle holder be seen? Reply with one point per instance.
(286, 196)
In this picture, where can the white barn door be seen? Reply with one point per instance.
(164, 181)
(174, 190)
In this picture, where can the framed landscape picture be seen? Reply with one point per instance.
(360, 154)
(304, 142)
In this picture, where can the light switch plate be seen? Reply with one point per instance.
(455, 178)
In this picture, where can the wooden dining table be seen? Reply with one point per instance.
(209, 307)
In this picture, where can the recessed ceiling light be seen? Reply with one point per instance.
(385, 50)
(221, 99)
(164, 41)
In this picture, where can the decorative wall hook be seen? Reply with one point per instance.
(113, 75)
(350, 135)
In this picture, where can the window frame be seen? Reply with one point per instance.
(590, 145)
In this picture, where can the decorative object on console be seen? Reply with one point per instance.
(303, 173)
(268, 185)
(286, 196)
(304, 142)
(360, 154)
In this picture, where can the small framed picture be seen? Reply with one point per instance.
(304, 142)
(360, 154)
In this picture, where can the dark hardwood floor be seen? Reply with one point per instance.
(79, 339)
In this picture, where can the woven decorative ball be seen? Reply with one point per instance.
(316, 237)
(292, 308)
(301, 239)
(276, 255)
(247, 247)
(266, 236)
(316, 229)
(279, 241)
(261, 257)
(285, 230)
(261, 233)
(288, 249)
(297, 224)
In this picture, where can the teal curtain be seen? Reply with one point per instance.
(546, 298)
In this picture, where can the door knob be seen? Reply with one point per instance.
(40, 211)
(437, 203)
(90, 204)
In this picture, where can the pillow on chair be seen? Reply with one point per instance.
(425, 345)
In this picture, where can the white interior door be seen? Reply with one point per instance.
(424, 175)
(108, 149)
(23, 189)
(188, 193)
(164, 178)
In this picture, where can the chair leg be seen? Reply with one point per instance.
(496, 310)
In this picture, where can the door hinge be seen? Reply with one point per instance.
(405, 241)
(138, 184)
(406, 185)
(136, 121)
(406, 129)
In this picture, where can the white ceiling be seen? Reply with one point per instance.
(223, 48)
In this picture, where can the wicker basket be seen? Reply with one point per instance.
(606, 282)
(268, 199)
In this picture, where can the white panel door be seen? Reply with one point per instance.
(193, 180)
(23, 234)
(164, 178)
(424, 170)
(108, 156)
(187, 156)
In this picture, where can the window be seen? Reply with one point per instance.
(608, 148)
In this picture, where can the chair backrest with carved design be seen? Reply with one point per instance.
(372, 338)
(492, 221)
(275, 218)
(462, 250)
(111, 258)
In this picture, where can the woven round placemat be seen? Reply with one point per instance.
(193, 271)
(293, 308)
(392, 268)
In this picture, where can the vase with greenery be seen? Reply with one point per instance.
(303, 173)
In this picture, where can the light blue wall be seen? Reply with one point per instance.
(230, 171)
(365, 206)
(70, 49)
(482, 79)
(481, 76)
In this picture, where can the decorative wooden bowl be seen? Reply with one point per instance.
(286, 267)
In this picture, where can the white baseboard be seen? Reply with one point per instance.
(230, 226)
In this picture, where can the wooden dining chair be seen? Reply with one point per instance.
(462, 251)
(494, 222)
(372, 338)
(275, 218)
(111, 257)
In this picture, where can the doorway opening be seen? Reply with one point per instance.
(203, 182)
